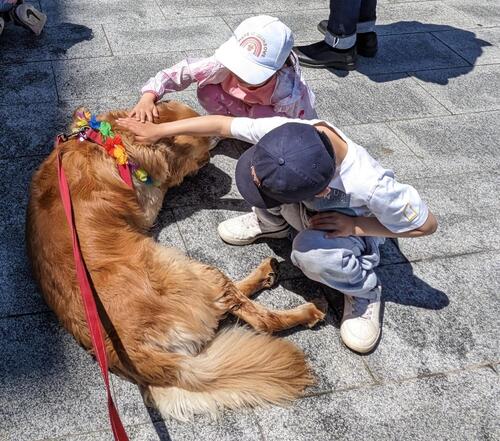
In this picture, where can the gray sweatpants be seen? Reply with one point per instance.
(343, 263)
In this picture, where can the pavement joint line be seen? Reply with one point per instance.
(443, 257)
(419, 84)
(26, 314)
(227, 24)
(450, 48)
(107, 40)
(172, 212)
(429, 117)
(419, 159)
(370, 372)
(161, 10)
(493, 368)
(17, 63)
(470, 368)
(257, 423)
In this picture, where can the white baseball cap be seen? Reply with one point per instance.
(258, 48)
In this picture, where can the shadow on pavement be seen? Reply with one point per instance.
(408, 46)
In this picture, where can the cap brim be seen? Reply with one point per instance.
(246, 185)
(230, 56)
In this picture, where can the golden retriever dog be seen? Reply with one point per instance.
(160, 309)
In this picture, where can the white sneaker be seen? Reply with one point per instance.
(246, 229)
(360, 327)
(29, 17)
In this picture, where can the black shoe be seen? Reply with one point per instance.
(366, 43)
(321, 54)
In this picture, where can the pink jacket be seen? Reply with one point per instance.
(292, 97)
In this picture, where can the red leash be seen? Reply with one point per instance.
(92, 316)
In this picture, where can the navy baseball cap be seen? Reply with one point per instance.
(291, 163)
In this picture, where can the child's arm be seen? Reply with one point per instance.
(175, 78)
(398, 212)
(149, 133)
(340, 225)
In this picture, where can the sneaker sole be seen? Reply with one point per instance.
(22, 15)
(281, 234)
(361, 349)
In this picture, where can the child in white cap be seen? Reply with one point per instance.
(22, 14)
(253, 74)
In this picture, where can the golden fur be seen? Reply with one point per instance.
(160, 309)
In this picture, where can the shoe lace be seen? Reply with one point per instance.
(250, 221)
(362, 307)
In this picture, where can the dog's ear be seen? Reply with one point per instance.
(78, 114)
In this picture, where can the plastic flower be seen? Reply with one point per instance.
(94, 123)
(120, 154)
(105, 129)
(141, 175)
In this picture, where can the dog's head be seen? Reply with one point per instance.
(169, 160)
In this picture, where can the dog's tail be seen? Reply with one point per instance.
(239, 368)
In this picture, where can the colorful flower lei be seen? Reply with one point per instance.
(111, 143)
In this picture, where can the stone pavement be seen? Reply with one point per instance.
(428, 106)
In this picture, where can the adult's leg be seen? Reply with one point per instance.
(367, 44)
(337, 50)
(367, 16)
(342, 22)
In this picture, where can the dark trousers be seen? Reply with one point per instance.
(346, 14)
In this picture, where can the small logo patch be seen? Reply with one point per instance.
(410, 213)
(254, 44)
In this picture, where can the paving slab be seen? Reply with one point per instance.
(66, 40)
(435, 318)
(223, 430)
(212, 183)
(49, 387)
(231, 425)
(460, 406)
(18, 291)
(408, 53)
(359, 100)
(198, 226)
(483, 12)
(302, 22)
(170, 35)
(420, 16)
(29, 83)
(15, 197)
(466, 91)
(398, 55)
(173, 8)
(95, 12)
(448, 145)
(121, 76)
(382, 143)
(466, 209)
(479, 47)
(36, 134)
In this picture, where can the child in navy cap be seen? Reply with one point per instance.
(309, 176)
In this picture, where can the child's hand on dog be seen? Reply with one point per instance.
(145, 132)
(145, 109)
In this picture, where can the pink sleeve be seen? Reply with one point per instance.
(179, 76)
